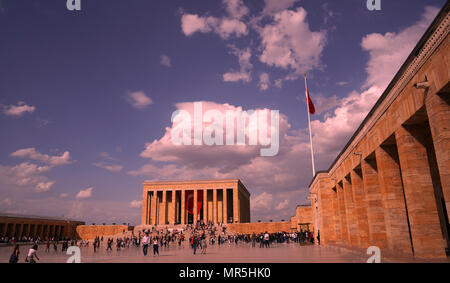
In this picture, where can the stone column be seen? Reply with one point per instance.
(205, 205)
(326, 215)
(215, 206)
(47, 231)
(163, 209)
(19, 233)
(397, 228)
(153, 207)
(375, 211)
(225, 206)
(352, 223)
(419, 193)
(438, 110)
(236, 218)
(174, 207)
(195, 206)
(4, 229)
(360, 208)
(183, 207)
(343, 214)
(145, 214)
(337, 217)
(13, 231)
(35, 230)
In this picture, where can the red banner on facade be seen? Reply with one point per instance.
(190, 201)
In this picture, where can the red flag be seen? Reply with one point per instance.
(190, 202)
(311, 107)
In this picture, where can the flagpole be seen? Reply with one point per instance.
(309, 125)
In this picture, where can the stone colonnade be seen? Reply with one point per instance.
(390, 186)
(19, 227)
(172, 203)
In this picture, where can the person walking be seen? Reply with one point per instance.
(204, 245)
(32, 254)
(318, 237)
(145, 243)
(15, 255)
(155, 247)
(109, 243)
(47, 246)
(266, 239)
(195, 244)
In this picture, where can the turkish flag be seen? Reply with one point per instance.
(190, 202)
(312, 109)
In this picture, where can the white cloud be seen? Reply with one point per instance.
(389, 51)
(164, 150)
(264, 81)
(288, 42)
(109, 167)
(136, 203)
(229, 27)
(33, 154)
(29, 175)
(85, 194)
(139, 100)
(282, 205)
(235, 8)
(18, 110)
(108, 156)
(262, 202)
(165, 61)
(63, 195)
(236, 77)
(225, 27)
(191, 23)
(23, 175)
(243, 75)
(44, 186)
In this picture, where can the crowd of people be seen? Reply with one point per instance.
(197, 237)
(26, 240)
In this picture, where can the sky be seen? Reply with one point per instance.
(87, 97)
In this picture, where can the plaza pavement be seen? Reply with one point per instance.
(241, 253)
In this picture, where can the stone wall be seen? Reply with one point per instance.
(303, 219)
(249, 228)
(89, 232)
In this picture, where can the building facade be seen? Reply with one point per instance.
(303, 219)
(186, 202)
(390, 186)
(34, 226)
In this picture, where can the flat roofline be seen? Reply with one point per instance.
(37, 217)
(197, 182)
(192, 181)
(419, 46)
